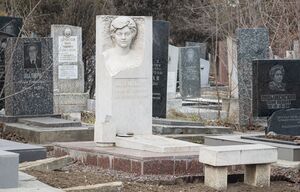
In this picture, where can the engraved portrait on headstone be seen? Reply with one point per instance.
(275, 86)
(190, 56)
(189, 73)
(67, 32)
(276, 74)
(123, 31)
(32, 55)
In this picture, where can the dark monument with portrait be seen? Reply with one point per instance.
(189, 72)
(160, 68)
(275, 86)
(9, 27)
(28, 77)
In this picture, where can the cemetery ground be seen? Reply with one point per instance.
(77, 174)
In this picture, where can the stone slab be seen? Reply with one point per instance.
(14, 119)
(238, 155)
(44, 135)
(161, 121)
(156, 144)
(9, 164)
(285, 151)
(215, 177)
(182, 129)
(131, 160)
(49, 122)
(28, 183)
(160, 46)
(27, 152)
(203, 47)
(103, 187)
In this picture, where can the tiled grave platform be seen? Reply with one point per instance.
(43, 130)
(285, 151)
(27, 152)
(132, 161)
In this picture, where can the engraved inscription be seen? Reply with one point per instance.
(278, 101)
(130, 89)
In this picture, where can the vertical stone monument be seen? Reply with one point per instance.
(160, 68)
(172, 71)
(251, 44)
(9, 27)
(28, 77)
(124, 86)
(189, 72)
(68, 69)
(123, 77)
(202, 46)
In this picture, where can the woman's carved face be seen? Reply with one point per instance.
(278, 76)
(123, 37)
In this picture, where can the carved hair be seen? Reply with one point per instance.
(122, 22)
(274, 69)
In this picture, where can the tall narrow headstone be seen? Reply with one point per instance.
(9, 27)
(68, 69)
(123, 77)
(160, 68)
(189, 72)
(172, 71)
(222, 63)
(251, 44)
(204, 72)
(28, 77)
(232, 67)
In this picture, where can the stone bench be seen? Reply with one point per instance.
(9, 164)
(257, 159)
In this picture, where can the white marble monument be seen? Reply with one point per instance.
(124, 86)
(172, 71)
(68, 69)
(123, 77)
(204, 70)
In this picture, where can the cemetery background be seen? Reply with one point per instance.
(213, 31)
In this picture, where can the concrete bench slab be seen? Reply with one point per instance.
(257, 159)
(9, 163)
(237, 155)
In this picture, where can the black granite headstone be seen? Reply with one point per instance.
(9, 27)
(275, 86)
(189, 72)
(28, 77)
(160, 68)
(285, 122)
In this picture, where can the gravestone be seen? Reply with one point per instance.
(9, 27)
(68, 69)
(202, 46)
(232, 67)
(251, 44)
(123, 77)
(28, 77)
(222, 63)
(204, 67)
(189, 72)
(285, 122)
(172, 71)
(275, 86)
(160, 68)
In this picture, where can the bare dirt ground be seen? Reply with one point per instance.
(77, 174)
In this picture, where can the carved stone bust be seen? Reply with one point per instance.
(120, 57)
